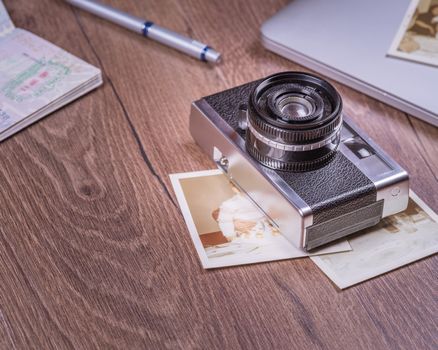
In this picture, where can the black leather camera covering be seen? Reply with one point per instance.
(331, 191)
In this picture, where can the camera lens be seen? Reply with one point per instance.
(294, 122)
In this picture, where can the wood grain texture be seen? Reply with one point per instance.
(94, 252)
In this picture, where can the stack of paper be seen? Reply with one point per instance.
(36, 77)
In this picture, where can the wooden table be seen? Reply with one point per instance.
(94, 252)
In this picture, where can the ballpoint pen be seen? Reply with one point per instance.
(150, 30)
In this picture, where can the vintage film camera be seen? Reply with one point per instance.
(285, 142)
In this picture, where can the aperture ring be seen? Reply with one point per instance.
(288, 136)
(294, 147)
(291, 166)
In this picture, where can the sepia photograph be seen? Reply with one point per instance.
(227, 228)
(417, 37)
(396, 241)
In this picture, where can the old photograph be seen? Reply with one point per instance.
(227, 228)
(396, 241)
(417, 37)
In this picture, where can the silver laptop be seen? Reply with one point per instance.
(347, 40)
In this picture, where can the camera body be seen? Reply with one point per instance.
(352, 186)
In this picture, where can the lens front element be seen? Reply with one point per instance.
(293, 106)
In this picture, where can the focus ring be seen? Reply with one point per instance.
(295, 166)
(289, 136)
(291, 146)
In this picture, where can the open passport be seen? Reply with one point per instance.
(36, 77)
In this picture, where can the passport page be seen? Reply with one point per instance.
(33, 74)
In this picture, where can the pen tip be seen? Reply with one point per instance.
(213, 56)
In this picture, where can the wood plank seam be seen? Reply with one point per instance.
(422, 145)
(134, 132)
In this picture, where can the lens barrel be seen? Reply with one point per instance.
(294, 122)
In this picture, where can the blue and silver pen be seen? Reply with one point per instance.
(149, 29)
